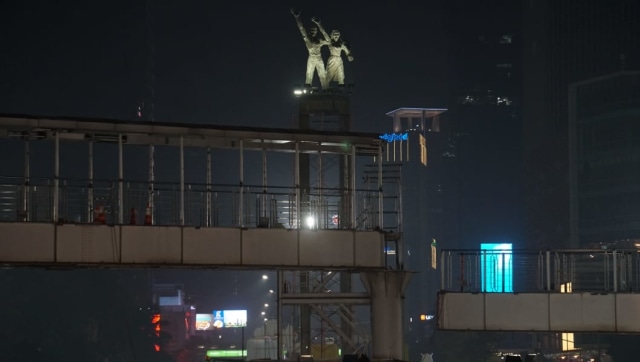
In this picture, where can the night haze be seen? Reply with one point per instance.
(515, 97)
(222, 63)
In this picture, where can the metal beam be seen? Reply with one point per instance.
(326, 298)
(193, 135)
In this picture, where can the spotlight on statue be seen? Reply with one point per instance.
(298, 92)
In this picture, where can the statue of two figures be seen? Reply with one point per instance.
(334, 71)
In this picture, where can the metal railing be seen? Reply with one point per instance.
(562, 271)
(199, 205)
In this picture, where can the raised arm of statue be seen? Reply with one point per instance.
(296, 15)
(324, 33)
(347, 51)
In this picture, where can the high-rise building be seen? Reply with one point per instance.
(414, 156)
(578, 107)
(565, 42)
(604, 161)
(484, 121)
(483, 126)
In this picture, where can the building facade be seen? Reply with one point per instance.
(604, 159)
(565, 42)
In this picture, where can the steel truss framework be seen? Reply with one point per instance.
(354, 244)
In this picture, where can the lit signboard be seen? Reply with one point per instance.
(497, 268)
(204, 322)
(434, 254)
(229, 318)
(227, 353)
(392, 137)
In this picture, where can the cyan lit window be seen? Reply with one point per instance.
(497, 268)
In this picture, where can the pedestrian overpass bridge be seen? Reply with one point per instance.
(67, 200)
(75, 196)
(92, 193)
(540, 291)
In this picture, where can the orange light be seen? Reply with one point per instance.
(156, 320)
(156, 347)
(423, 317)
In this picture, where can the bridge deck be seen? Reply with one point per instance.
(555, 291)
(85, 245)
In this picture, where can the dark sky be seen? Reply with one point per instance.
(231, 62)
(220, 62)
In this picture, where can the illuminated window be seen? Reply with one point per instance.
(567, 338)
(567, 342)
(496, 268)
(566, 288)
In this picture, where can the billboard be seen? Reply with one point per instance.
(229, 318)
(204, 322)
(496, 268)
(221, 319)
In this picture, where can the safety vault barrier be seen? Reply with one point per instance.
(152, 246)
(555, 312)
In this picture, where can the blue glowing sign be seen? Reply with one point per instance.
(392, 137)
(497, 268)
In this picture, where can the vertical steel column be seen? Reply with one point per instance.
(150, 203)
(615, 271)
(90, 190)
(297, 182)
(25, 190)
(181, 180)
(323, 213)
(352, 186)
(241, 188)
(263, 202)
(400, 222)
(56, 177)
(208, 210)
(392, 143)
(345, 200)
(380, 194)
(279, 316)
(442, 270)
(408, 148)
(120, 182)
(503, 290)
(548, 267)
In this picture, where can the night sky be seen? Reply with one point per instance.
(232, 62)
(225, 63)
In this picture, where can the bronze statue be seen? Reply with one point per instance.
(314, 44)
(335, 66)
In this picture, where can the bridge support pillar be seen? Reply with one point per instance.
(386, 289)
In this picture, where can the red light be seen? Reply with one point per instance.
(156, 347)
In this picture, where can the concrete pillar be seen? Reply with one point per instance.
(386, 289)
